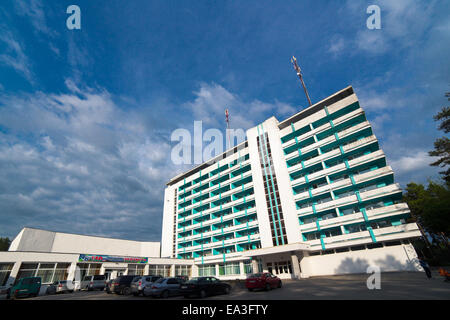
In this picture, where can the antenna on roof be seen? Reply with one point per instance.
(228, 127)
(299, 73)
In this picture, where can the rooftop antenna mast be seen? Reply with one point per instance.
(299, 73)
(228, 127)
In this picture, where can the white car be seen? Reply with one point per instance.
(97, 282)
(141, 282)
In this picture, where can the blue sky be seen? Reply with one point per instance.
(86, 115)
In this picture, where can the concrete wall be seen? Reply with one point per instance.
(46, 241)
(35, 240)
(395, 258)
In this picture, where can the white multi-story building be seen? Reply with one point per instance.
(311, 195)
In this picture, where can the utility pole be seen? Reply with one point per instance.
(228, 127)
(299, 74)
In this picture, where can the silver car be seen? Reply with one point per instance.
(60, 287)
(97, 282)
(140, 282)
(164, 288)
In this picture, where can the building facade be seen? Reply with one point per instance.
(57, 256)
(311, 195)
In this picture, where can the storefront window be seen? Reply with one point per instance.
(61, 271)
(230, 268)
(183, 271)
(27, 270)
(207, 270)
(5, 271)
(89, 269)
(248, 268)
(159, 270)
(136, 269)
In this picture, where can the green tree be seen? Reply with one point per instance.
(4, 244)
(442, 145)
(430, 206)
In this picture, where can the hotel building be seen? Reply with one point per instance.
(311, 195)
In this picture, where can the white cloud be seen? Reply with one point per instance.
(14, 56)
(35, 11)
(212, 100)
(402, 23)
(415, 160)
(83, 162)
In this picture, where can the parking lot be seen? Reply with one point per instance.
(405, 285)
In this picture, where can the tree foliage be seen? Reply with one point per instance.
(431, 206)
(442, 145)
(4, 244)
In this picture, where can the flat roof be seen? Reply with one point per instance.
(87, 235)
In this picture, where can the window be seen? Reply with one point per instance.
(392, 243)
(349, 211)
(61, 271)
(248, 268)
(5, 271)
(89, 269)
(48, 272)
(374, 245)
(136, 269)
(159, 270)
(380, 224)
(229, 268)
(183, 271)
(356, 228)
(207, 270)
(27, 270)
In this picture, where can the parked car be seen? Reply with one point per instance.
(164, 288)
(204, 286)
(97, 282)
(61, 286)
(182, 278)
(140, 282)
(24, 287)
(122, 285)
(262, 280)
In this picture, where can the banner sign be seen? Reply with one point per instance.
(100, 258)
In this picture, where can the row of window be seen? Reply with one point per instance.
(325, 120)
(213, 173)
(219, 237)
(361, 247)
(359, 227)
(225, 269)
(219, 225)
(240, 247)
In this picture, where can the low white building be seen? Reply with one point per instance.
(63, 256)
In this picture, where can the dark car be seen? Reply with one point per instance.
(122, 285)
(24, 287)
(204, 286)
(182, 278)
(263, 280)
